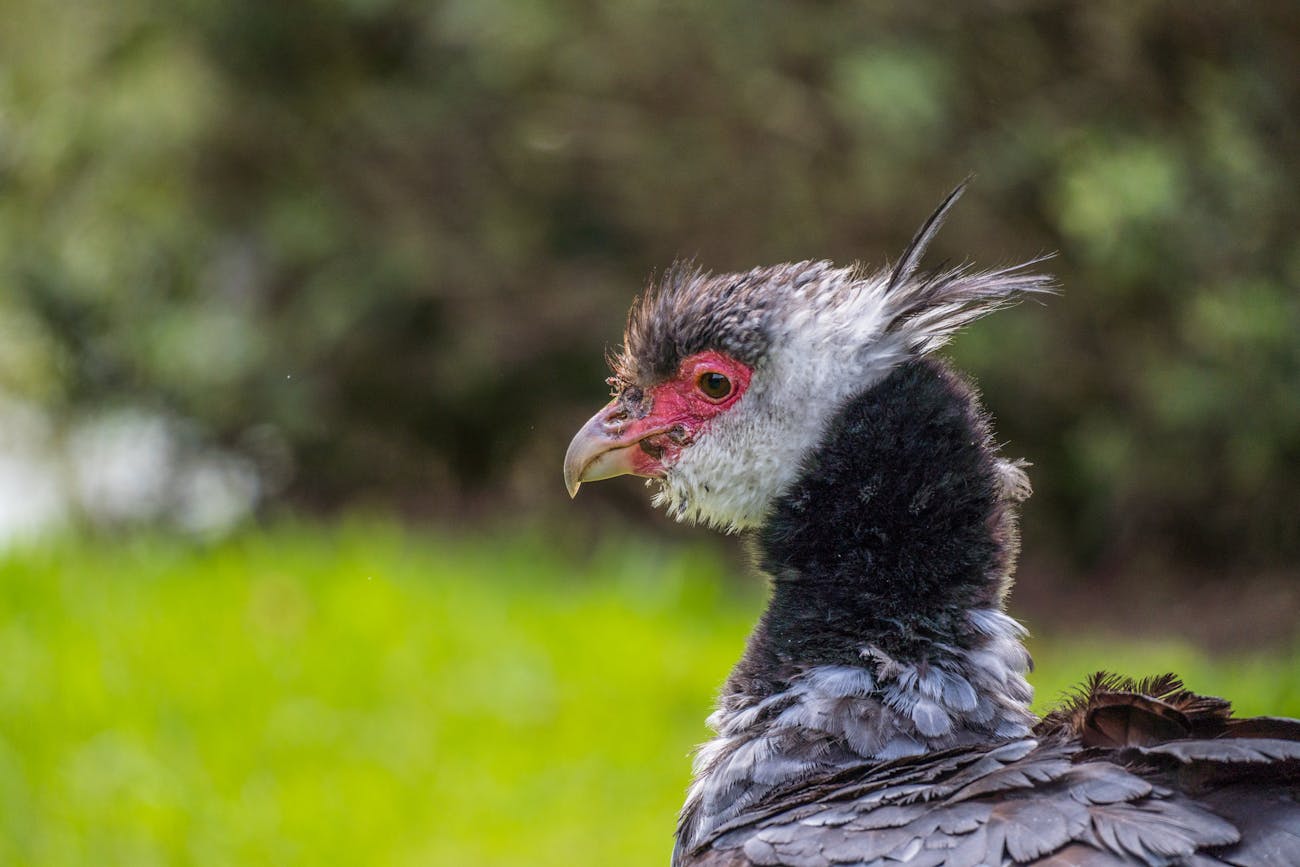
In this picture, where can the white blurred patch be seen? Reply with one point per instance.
(121, 465)
(215, 492)
(116, 468)
(32, 500)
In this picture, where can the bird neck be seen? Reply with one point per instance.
(901, 525)
(890, 557)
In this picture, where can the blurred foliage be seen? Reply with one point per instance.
(379, 246)
(362, 696)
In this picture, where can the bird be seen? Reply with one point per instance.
(880, 712)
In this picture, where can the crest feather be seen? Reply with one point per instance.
(906, 266)
(927, 308)
(885, 315)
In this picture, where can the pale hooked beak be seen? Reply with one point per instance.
(608, 445)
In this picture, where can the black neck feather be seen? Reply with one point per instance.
(898, 526)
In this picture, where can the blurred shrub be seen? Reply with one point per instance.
(379, 246)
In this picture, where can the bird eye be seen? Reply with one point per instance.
(714, 385)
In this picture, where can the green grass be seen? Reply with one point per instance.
(357, 695)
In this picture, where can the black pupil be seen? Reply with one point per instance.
(715, 385)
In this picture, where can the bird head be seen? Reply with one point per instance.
(726, 383)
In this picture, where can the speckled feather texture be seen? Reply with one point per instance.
(880, 713)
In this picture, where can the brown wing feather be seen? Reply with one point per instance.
(1264, 727)
(1111, 711)
(1132, 720)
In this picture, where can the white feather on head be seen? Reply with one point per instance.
(816, 335)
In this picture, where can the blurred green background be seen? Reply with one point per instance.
(268, 267)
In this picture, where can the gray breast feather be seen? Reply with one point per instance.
(834, 717)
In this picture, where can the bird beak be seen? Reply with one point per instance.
(608, 446)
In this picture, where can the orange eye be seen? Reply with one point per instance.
(714, 385)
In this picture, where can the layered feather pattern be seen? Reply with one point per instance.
(1198, 796)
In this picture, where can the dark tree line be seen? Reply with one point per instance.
(381, 246)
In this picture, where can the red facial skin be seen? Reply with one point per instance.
(679, 410)
(641, 432)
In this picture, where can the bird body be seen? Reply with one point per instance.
(880, 712)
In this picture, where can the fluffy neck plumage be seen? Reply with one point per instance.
(885, 636)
